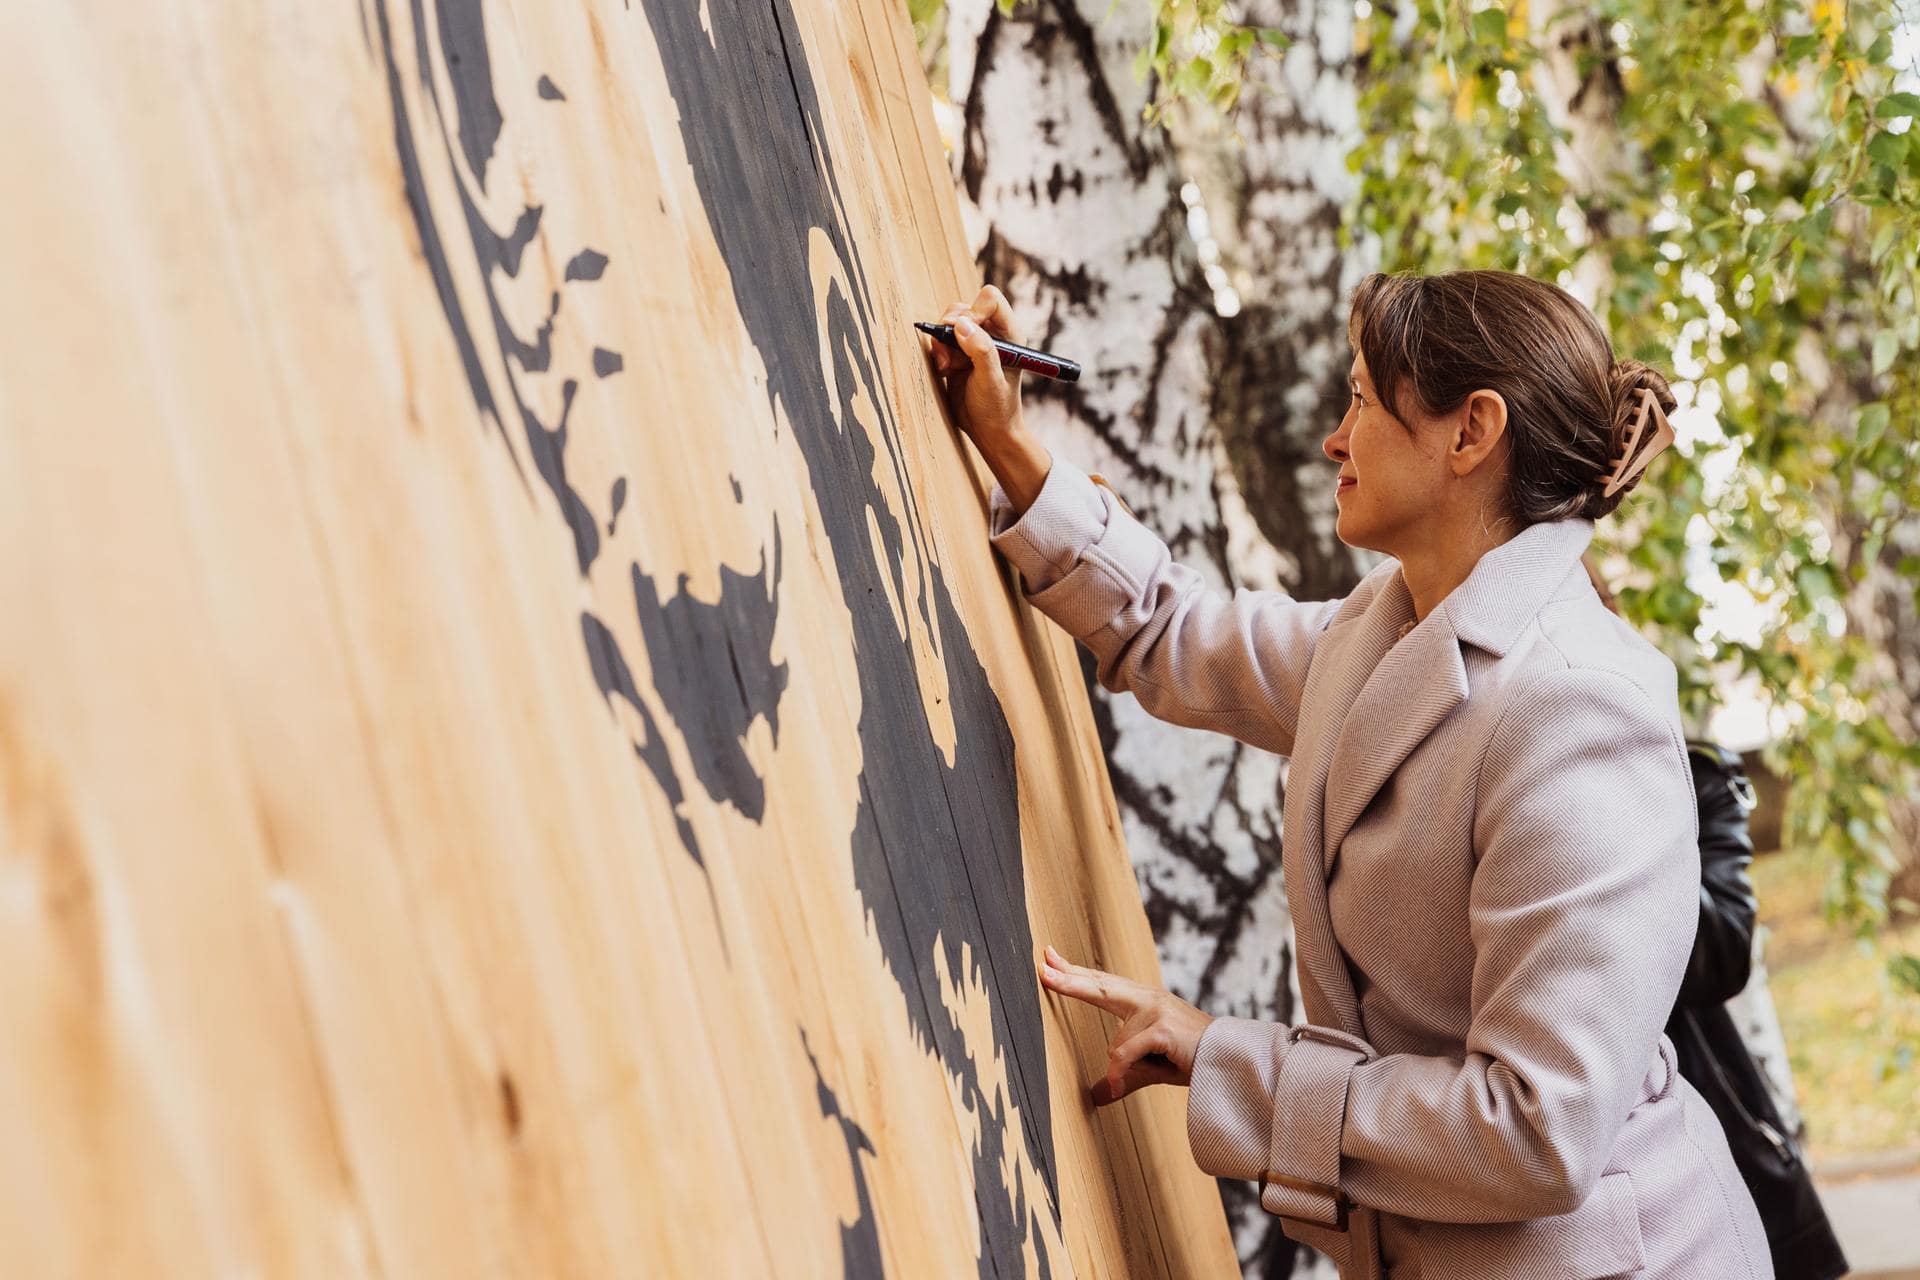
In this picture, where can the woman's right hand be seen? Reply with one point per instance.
(983, 396)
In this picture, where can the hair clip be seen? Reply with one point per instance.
(1621, 474)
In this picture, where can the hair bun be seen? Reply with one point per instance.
(1626, 380)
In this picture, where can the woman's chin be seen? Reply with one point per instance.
(1355, 533)
(1348, 530)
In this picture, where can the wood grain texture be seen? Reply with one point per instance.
(515, 756)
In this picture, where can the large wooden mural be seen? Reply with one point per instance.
(516, 758)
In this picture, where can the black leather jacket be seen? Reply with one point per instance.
(1712, 1055)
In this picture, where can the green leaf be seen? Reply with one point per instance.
(1815, 582)
(1872, 423)
(1886, 344)
(1897, 104)
(1275, 37)
(1490, 26)
(1800, 48)
(1193, 77)
(1889, 149)
(1883, 242)
(1905, 972)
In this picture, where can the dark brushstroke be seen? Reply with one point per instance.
(586, 265)
(936, 850)
(612, 675)
(463, 42)
(607, 363)
(737, 495)
(860, 1239)
(432, 246)
(713, 670)
(549, 90)
(549, 449)
(616, 500)
(463, 33)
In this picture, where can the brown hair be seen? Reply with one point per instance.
(1438, 339)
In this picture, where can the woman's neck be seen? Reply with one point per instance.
(1442, 559)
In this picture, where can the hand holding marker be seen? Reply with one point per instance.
(981, 384)
(1012, 354)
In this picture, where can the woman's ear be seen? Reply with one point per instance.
(1481, 425)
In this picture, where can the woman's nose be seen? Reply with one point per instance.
(1335, 445)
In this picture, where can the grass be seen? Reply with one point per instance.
(1853, 1040)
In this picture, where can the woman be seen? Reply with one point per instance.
(1489, 834)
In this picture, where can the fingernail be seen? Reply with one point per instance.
(965, 324)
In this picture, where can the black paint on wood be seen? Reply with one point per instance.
(494, 253)
(612, 675)
(713, 671)
(463, 38)
(432, 246)
(586, 265)
(616, 500)
(463, 42)
(936, 850)
(607, 363)
(860, 1239)
(550, 91)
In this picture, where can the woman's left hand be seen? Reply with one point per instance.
(1159, 1033)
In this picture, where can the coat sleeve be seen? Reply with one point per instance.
(1581, 924)
(1722, 959)
(1235, 665)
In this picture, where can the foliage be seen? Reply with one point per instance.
(1759, 233)
(1197, 52)
(1191, 51)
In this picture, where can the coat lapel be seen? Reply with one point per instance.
(1372, 697)
(1413, 685)
(1344, 658)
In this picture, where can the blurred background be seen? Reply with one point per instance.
(1182, 194)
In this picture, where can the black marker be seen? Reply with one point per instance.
(1012, 354)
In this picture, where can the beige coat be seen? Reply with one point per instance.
(1491, 859)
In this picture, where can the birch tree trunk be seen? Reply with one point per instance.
(1209, 426)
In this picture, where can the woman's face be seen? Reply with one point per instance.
(1388, 477)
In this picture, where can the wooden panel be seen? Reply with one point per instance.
(515, 756)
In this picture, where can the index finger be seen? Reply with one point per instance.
(994, 313)
(1121, 997)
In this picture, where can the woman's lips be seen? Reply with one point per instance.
(1346, 483)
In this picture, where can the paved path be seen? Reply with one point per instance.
(1878, 1221)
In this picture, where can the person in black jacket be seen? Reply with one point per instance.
(1713, 1057)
